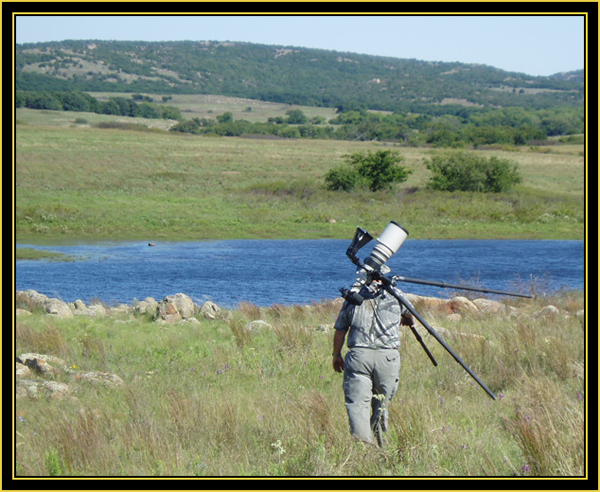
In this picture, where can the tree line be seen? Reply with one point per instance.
(464, 127)
(82, 102)
(510, 126)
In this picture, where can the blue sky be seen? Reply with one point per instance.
(535, 45)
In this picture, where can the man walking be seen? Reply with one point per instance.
(372, 365)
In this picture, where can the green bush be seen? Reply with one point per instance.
(463, 171)
(187, 126)
(342, 178)
(373, 170)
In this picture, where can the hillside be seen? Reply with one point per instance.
(291, 75)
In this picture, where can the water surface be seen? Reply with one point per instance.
(267, 272)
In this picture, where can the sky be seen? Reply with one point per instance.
(530, 44)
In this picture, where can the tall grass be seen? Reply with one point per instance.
(214, 399)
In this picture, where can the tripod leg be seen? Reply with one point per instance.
(413, 311)
(418, 337)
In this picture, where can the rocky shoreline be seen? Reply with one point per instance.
(181, 308)
(36, 373)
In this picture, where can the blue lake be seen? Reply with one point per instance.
(267, 272)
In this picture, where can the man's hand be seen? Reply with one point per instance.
(407, 320)
(338, 363)
(338, 344)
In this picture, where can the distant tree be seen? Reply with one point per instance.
(226, 117)
(348, 118)
(289, 132)
(110, 107)
(142, 97)
(296, 117)
(277, 120)
(171, 113)
(44, 100)
(188, 126)
(73, 101)
(351, 105)
(20, 99)
(149, 110)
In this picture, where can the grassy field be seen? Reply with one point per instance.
(213, 399)
(77, 181)
(207, 106)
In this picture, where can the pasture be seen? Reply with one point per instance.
(214, 399)
(75, 180)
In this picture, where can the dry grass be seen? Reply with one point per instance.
(206, 400)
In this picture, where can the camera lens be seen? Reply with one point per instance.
(388, 243)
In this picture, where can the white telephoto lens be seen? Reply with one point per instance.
(392, 237)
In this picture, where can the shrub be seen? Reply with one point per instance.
(463, 171)
(188, 126)
(374, 170)
(343, 177)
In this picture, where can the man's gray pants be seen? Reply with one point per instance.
(370, 382)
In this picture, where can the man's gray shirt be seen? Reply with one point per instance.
(375, 323)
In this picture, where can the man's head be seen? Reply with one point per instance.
(375, 287)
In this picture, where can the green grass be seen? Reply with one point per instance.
(36, 254)
(214, 400)
(83, 182)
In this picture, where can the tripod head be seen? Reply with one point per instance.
(387, 245)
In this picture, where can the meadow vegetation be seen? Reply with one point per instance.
(108, 179)
(216, 399)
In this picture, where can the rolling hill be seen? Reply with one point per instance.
(284, 74)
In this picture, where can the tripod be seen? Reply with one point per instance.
(388, 285)
(389, 242)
